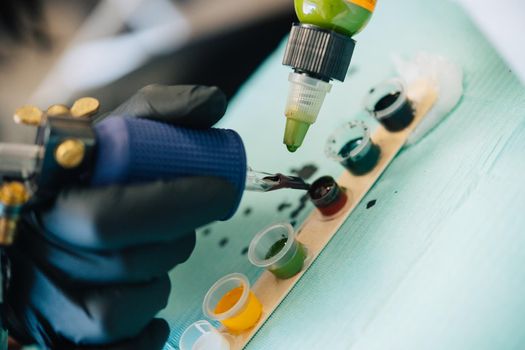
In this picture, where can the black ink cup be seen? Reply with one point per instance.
(389, 104)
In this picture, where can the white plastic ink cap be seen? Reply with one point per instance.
(201, 335)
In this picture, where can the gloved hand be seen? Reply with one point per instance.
(91, 270)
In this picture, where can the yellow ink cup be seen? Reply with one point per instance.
(231, 302)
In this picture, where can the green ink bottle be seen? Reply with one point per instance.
(319, 50)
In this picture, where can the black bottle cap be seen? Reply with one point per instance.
(321, 53)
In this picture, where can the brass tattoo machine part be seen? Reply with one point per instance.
(58, 110)
(28, 115)
(62, 153)
(84, 107)
(13, 196)
(70, 153)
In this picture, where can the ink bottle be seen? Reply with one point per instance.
(319, 50)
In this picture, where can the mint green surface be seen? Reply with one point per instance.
(439, 261)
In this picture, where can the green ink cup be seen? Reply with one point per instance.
(277, 249)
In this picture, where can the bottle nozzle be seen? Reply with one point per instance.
(294, 134)
(305, 99)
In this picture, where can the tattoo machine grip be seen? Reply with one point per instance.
(131, 150)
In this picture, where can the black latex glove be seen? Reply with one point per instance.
(92, 269)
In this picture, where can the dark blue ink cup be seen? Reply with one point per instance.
(352, 146)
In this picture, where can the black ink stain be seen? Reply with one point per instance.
(306, 171)
(302, 204)
(371, 204)
(206, 232)
(283, 206)
(223, 242)
(244, 251)
(247, 211)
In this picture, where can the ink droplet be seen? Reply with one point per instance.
(247, 211)
(206, 232)
(223, 242)
(371, 204)
(306, 171)
(283, 206)
(244, 251)
(302, 204)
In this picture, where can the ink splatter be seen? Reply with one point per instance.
(302, 204)
(306, 171)
(223, 242)
(371, 204)
(244, 251)
(247, 211)
(283, 206)
(206, 231)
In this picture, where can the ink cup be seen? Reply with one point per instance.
(327, 196)
(231, 302)
(389, 104)
(277, 249)
(201, 335)
(352, 146)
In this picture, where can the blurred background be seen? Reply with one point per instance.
(55, 50)
(52, 51)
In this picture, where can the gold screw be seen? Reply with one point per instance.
(58, 110)
(70, 153)
(85, 107)
(7, 231)
(13, 194)
(28, 115)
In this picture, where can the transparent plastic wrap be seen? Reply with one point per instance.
(441, 74)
